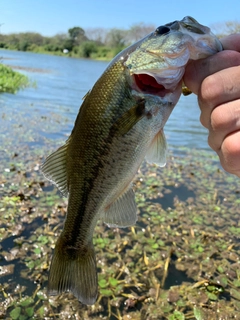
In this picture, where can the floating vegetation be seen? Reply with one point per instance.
(12, 81)
(180, 261)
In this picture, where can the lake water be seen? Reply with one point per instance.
(62, 82)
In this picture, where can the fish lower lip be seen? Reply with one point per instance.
(147, 84)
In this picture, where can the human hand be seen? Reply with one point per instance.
(216, 81)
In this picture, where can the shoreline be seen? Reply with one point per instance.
(59, 54)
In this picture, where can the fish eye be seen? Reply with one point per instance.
(162, 30)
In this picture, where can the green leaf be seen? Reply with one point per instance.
(30, 264)
(236, 283)
(106, 292)
(113, 282)
(37, 250)
(181, 303)
(41, 312)
(118, 289)
(43, 239)
(212, 296)
(198, 313)
(220, 269)
(41, 295)
(167, 308)
(102, 283)
(26, 301)
(161, 243)
(200, 249)
(178, 315)
(30, 311)
(217, 208)
(211, 288)
(223, 281)
(15, 313)
(235, 294)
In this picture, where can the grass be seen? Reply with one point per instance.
(11, 81)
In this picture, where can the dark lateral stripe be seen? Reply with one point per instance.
(81, 224)
(88, 185)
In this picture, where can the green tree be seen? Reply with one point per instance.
(87, 48)
(13, 41)
(77, 35)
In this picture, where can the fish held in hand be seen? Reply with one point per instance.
(120, 122)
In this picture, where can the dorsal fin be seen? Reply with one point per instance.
(55, 168)
(87, 94)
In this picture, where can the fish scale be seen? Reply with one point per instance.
(119, 123)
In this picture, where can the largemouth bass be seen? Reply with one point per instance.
(120, 122)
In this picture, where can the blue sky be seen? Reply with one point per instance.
(50, 17)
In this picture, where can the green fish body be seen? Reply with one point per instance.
(120, 122)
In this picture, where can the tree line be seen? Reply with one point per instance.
(96, 43)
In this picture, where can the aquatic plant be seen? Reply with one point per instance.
(180, 261)
(11, 81)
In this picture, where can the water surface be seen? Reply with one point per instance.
(62, 82)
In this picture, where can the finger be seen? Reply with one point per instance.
(230, 153)
(231, 42)
(224, 120)
(197, 71)
(217, 89)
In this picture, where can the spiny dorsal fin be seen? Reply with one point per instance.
(87, 94)
(158, 150)
(54, 169)
(122, 212)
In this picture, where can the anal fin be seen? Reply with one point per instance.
(122, 212)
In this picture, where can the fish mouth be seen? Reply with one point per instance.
(157, 84)
(149, 85)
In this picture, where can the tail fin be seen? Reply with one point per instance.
(74, 270)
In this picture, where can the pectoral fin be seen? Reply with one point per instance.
(54, 168)
(126, 122)
(122, 212)
(158, 150)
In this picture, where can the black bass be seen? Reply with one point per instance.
(120, 122)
